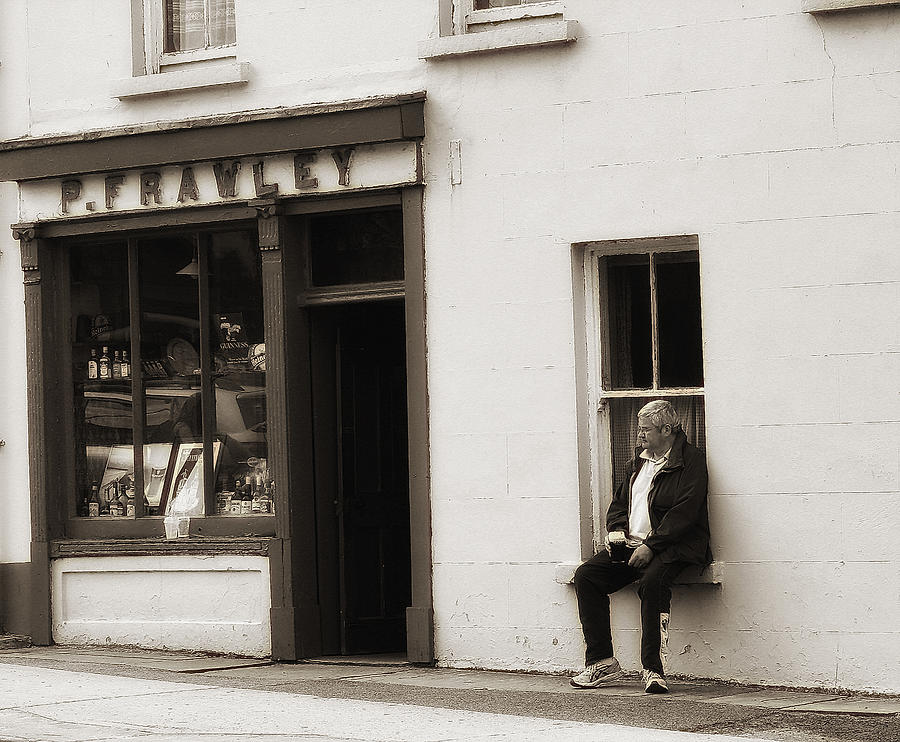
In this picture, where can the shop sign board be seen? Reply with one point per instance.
(309, 172)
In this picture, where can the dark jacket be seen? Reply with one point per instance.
(679, 520)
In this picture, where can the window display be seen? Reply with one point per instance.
(187, 379)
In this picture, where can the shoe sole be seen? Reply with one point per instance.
(656, 688)
(600, 681)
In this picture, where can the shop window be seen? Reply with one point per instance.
(169, 377)
(647, 343)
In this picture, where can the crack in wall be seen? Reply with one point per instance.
(833, 68)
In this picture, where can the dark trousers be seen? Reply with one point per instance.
(597, 578)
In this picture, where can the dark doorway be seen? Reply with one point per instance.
(362, 475)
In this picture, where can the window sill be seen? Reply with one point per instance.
(498, 39)
(245, 545)
(236, 73)
(825, 6)
(714, 574)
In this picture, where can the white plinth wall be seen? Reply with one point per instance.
(213, 604)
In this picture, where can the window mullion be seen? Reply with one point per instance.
(207, 23)
(207, 389)
(654, 323)
(138, 407)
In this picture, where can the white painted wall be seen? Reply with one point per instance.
(770, 133)
(212, 604)
(15, 519)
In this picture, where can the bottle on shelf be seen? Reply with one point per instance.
(126, 365)
(94, 501)
(265, 501)
(117, 365)
(92, 368)
(247, 498)
(104, 368)
(123, 498)
(236, 498)
(256, 502)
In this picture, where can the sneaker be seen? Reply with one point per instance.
(599, 673)
(654, 682)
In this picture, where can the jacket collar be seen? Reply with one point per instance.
(676, 454)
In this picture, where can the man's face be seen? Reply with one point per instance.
(651, 438)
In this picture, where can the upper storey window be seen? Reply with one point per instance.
(192, 25)
(477, 26)
(194, 42)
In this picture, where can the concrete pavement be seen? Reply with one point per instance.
(75, 694)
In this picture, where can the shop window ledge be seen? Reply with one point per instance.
(712, 574)
(199, 545)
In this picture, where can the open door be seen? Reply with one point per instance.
(362, 477)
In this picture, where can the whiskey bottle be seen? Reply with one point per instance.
(92, 365)
(104, 369)
(117, 366)
(236, 498)
(247, 499)
(94, 501)
(126, 366)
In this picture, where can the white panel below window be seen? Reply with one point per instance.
(209, 603)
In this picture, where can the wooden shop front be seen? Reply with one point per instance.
(226, 369)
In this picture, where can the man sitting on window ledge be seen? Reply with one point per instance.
(657, 524)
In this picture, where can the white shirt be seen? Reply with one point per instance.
(639, 513)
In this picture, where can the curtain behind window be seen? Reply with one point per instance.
(187, 24)
(623, 426)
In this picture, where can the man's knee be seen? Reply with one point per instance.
(596, 571)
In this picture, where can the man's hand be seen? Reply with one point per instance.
(641, 557)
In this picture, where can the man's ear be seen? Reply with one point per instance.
(666, 432)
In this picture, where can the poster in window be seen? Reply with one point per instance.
(233, 345)
(184, 489)
(156, 464)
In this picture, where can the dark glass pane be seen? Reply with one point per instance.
(243, 480)
(679, 327)
(104, 460)
(623, 426)
(170, 365)
(361, 247)
(628, 292)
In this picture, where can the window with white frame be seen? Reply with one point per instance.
(646, 342)
(474, 15)
(181, 31)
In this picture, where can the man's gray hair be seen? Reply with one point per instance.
(660, 412)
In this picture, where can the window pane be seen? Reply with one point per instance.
(623, 426)
(185, 25)
(678, 306)
(170, 364)
(104, 462)
(221, 22)
(628, 301)
(356, 248)
(243, 481)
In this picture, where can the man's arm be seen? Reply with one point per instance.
(683, 514)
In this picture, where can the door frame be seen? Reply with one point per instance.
(299, 635)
